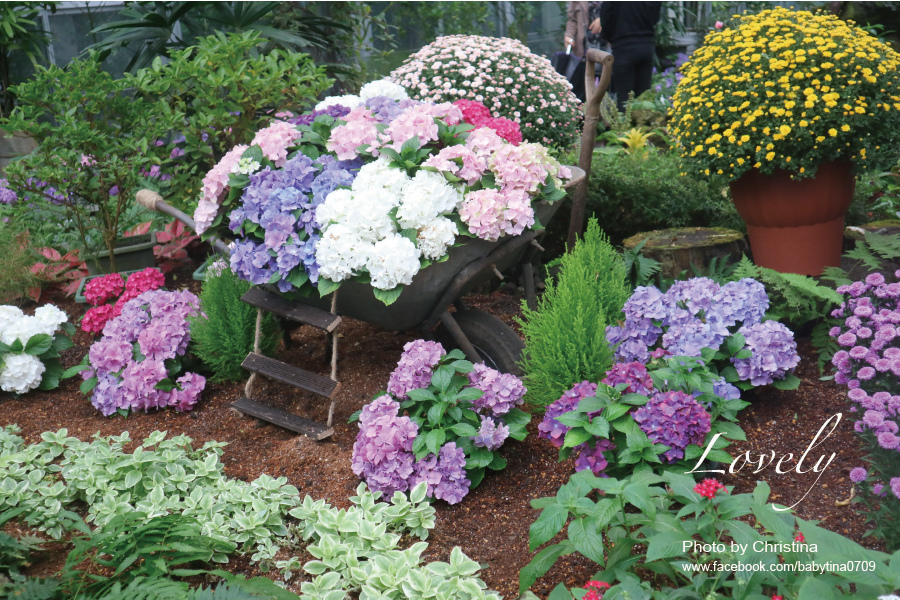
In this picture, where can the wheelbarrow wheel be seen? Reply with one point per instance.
(495, 341)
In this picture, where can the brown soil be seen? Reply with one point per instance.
(491, 524)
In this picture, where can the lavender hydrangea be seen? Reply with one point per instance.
(415, 367)
(129, 361)
(502, 391)
(491, 435)
(591, 457)
(444, 475)
(382, 454)
(774, 353)
(675, 419)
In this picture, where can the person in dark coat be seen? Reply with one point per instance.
(630, 28)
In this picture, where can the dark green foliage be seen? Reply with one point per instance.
(18, 257)
(140, 547)
(32, 589)
(795, 300)
(869, 253)
(634, 192)
(639, 269)
(223, 339)
(565, 337)
(15, 552)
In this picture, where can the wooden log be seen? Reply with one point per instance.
(680, 248)
(853, 234)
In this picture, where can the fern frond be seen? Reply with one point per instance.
(836, 275)
(885, 246)
(140, 588)
(862, 253)
(34, 589)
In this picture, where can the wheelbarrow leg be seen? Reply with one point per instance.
(459, 337)
(528, 277)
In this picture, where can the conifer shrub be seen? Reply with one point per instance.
(565, 338)
(223, 333)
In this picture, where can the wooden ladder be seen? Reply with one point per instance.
(258, 364)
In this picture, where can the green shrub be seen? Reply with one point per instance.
(630, 193)
(565, 338)
(18, 257)
(223, 335)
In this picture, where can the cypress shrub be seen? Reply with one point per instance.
(565, 338)
(223, 334)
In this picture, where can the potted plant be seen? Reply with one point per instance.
(96, 147)
(788, 106)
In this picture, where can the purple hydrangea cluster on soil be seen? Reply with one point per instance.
(382, 454)
(129, 360)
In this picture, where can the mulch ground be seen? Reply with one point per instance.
(491, 524)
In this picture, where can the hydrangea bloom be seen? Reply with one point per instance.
(382, 87)
(551, 429)
(774, 353)
(491, 435)
(382, 454)
(275, 140)
(591, 457)
(155, 323)
(502, 391)
(214, 184)
(21, 373)
(675, 419)
(634, 374)
(393, 261)
(101, 290)
(445, 475)
(415, 367)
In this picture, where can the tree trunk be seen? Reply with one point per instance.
(679, 249)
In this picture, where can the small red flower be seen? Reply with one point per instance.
(708, 488)
(799, 538)
(775, 597)
(595, 590)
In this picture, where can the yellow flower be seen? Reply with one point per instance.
(770, 156)
(832, 132)
(845, 127)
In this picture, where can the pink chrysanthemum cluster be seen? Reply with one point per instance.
(478, 115)
(134, 365)
(501, 73)
(708, 488)
(100, 290)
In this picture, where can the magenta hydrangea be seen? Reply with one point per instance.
(674, 419)
(634, 374)
(591, 457)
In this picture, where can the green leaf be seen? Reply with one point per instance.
(88, 385)
(548, 524)
(73, 371)
(614, 411)
(441, 378)
(463, 429)
(326, 286)
(498, 463)
(598, 427)
(434, 439)
(61, 343)
(421, 395)
(587, 540)
(576, 437)
(38, 344)
(666, 545)
(388, 297)
(540, 564)
(813, 589)
(790, 382)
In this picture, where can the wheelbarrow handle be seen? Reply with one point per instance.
(153, 201)
(595, 93)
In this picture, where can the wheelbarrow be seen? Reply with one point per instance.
(427, 301)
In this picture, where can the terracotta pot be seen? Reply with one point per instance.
(796, 226)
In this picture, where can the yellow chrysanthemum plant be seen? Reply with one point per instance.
(788, 90)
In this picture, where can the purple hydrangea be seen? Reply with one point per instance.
(634, 374)
(774, 353)
(502, 391)
(335, 110)
(588, 457)
(551, 429)
(444, 475)
(154, 327)
(415, 367)
(386, 109)
(382, 454)
(674, 419)
(7, 196)
(491, 435)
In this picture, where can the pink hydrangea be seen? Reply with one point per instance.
(359, 130)
(214, 184)
(508, 130)
(145, 281)
(474, 113)
(275, 140)
(101, 290)
(447, 112)
(481, 212)
(95, 319)
(448, 159)
(524, 167)
(484, 142)
(416, 121)
(518, 214)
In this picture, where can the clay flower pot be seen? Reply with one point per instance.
(796, 225)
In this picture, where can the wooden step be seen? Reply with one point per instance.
(283, 418)
(301, 313)
(285, 373)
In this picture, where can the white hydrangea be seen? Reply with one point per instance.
(436, 236)
(21, 373)
(23, 329)
(348, 100)
(341, 253)
(427, 196)
(393, 261)
(51, 316)
(381, 175)
(9, 314)
(365, 214)
(383, 87)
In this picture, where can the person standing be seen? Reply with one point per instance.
(630, 28)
